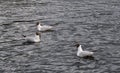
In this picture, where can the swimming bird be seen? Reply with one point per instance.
(33, 39)
(43, 27)
(82, 53)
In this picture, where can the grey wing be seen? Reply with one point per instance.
(87, 53)
(45, 27)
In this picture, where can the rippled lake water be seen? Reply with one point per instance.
(95, 24)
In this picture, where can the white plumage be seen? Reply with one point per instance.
(33, 39)
(43, 27)
(82, 53)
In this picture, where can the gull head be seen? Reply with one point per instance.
(38, 23)
(38, 33)
(77, 45)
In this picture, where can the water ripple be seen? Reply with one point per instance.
(94, 24)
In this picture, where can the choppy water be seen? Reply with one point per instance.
(93, 23)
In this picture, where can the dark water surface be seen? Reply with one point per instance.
(95, 24)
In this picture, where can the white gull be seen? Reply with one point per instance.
(82, 53)
(43, 27)
(33, 39)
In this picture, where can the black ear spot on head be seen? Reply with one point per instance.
(37, 33)
(77, 45)
(37, 23)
